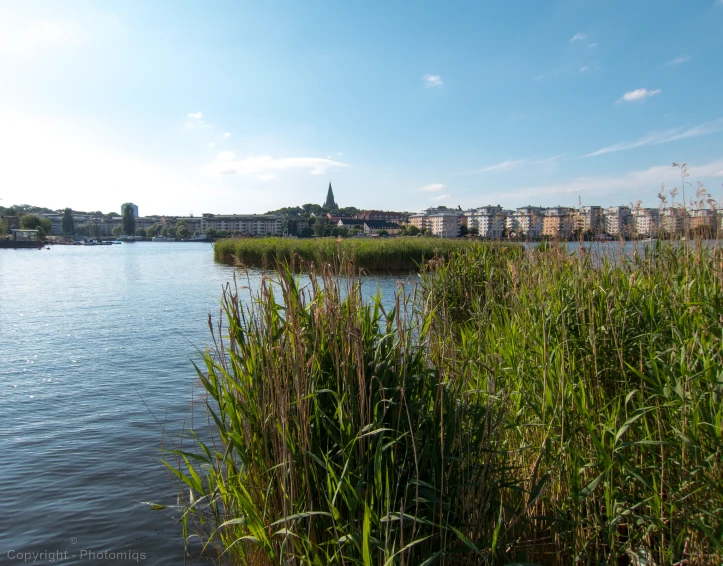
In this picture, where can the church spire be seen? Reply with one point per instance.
(330, 203)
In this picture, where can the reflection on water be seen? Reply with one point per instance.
(95, 350)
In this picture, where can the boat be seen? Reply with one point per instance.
(158, 239)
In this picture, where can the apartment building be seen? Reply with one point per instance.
(489, 221)
(421, 221)
(618, 221)
(703, 220)
(558, 222)
(387, 216)
(672, 221)
(444, 224)
(646, 221)
(526, 221)
(250, 224)
(589, 219)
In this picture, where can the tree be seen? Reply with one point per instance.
(290, 226)
(3, 227)
(182, 230)
(320, 226)
(129, 221)
(141, 232)
(412, 230)
(117, 230)
(33, 222)
(463, 231)
(68, 224)
(383, 233)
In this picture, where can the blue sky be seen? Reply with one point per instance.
(243, 107)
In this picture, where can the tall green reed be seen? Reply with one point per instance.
(338, 439)
(613, 369)
(525, 405)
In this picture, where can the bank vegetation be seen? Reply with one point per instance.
(521, 406)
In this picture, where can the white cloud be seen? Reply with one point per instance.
(260, 167)
(679, 60)
(578, 37)
(432, 81)
(593, 44)
(441, 197)
(512, 164)
(227, 135)
(507, 165)
(639, 94)
(664, 136)
(585, 69)
(34, 36)
(194, 121)
(432, 187)
(642, 183)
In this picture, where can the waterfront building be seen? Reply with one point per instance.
(420, 221)
(618, 221)
(558, 222)
(671, 221)
(330, 202)
(703, 221)
(646, 221)
(526, 221)
(444, 224)
(589, 219)
(489, 221)
(376, 226)
(247, 224)
(134, 208)
(389, 216)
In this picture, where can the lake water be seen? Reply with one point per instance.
(96, 346)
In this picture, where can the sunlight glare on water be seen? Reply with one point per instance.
(96, 346)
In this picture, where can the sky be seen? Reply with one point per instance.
(244, 107)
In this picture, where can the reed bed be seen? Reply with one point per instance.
(531, 407)
(373, 255)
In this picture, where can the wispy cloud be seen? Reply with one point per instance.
(431, 81)
(512, 164)
(262, 167)
(227, 135)
(679, 60)
(664, 136)
(640, 182)
(441, 197)
(431, 187)
(593, 44)
(638, 94)
(507, 165)
(578, 37)
(194, 120)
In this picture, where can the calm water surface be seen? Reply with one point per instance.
(96, 346)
